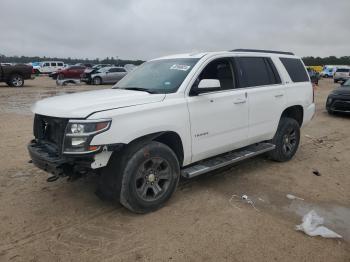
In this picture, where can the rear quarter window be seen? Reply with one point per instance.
(295, 69)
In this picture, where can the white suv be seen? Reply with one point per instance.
(341, 74)
(177, 115)
(48, 67)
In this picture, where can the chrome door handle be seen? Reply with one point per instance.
(240, 102)
(280, 95)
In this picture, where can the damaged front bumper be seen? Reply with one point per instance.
(56, 164)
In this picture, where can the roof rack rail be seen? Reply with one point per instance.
(262, 51)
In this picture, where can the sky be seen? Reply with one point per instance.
(145, 29)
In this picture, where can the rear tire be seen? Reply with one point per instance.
(286, 139)
(16, 80)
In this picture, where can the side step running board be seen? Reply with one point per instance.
(213, 163)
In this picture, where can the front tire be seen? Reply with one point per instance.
(16, 80)
(286, 139)
(150, 178)
(97, 80)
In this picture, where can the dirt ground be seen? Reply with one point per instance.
(65, 221)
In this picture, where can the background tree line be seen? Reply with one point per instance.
(69, 60)
(308, 60)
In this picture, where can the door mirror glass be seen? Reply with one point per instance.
(209, 84)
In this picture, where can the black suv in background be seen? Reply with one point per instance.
(339, 99)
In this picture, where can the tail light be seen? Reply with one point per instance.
(33, 71)
(313, 92)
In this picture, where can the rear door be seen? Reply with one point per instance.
(219, 119)
(266, 95)
(53, 66)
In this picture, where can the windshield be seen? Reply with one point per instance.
(347, 83)
(159, 76)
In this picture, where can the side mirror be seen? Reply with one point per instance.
(207, 84)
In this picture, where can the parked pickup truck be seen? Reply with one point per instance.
(14, 75)
(177, 115)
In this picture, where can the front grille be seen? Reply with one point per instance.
(341, 106)
(50, 130)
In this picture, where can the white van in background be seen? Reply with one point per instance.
(48, 67)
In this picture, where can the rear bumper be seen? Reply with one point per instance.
(340, 78)
(309, 113)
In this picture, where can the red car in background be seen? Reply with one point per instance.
(72, 72)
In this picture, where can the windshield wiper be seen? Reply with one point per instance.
(139, 89)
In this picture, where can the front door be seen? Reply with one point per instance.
(219, 119)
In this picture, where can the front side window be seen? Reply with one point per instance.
(257, 71)
(220, 69)
(59, 64)
(158, 76)
(295, 69)
(47, 64)
(117, 70)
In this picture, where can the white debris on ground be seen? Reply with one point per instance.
(312, 226)
(245, 198)
(292, 197)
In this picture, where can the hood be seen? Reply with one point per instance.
(89, 70)
(80, 105)
(342, 90)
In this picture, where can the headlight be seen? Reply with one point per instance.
(329, 101)
(79, 134)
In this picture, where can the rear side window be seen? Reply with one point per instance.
(343, 70)
(295, 69)
(257, 71)
(53, 64)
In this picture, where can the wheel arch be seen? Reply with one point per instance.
(14, 73)
(169, 138)
(295, 112)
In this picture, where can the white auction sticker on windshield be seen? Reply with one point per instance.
(180, 67)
